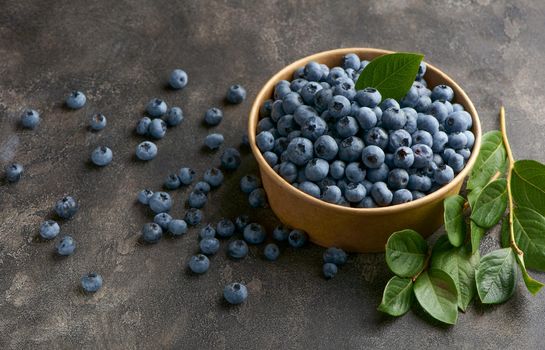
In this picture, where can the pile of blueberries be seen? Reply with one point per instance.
(353, 148)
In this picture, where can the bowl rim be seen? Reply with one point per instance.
(432, 197)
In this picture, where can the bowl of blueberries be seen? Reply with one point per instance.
(349, 167)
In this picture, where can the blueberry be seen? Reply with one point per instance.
(297, 85)
(350, 149)
(235, 293)
(291, 101)
(394, 118)
(14, 172)
(186, 175)
(265, 124)
(352, 61)
(456, 162)
(347, 126)
(339, 106)
(422, 155)
(254, 233)
(420, 183)
(66, 246)
(258, 198)
(389, 103)
(402, 196)
(335, 256)
(313, 128)
(313, 71)
(172, 182)
(213, 116)
(345, 87)
(163, 220)
(207, 232)
(335, 74)
(266, 108)
(421, 70)
(288, 171)
(271, 158)
(332, 194)
(66, 207)
(457, 140)
(300, 150)
(365, 117)
(101, 156)
(428, 123)
(429, 169)
(281, 89)
(199, 263)
(197, 199)
(30, 119)
(355, 172)
(470, 139)
(443, 174)
(423, 105)
(144, 196)
(417, 195)
(174, 116)
(398, 178)
(237, 249)
(97, 122)
(326, 147)
(368, 185)
(329, 270)
(325, 73)
(209, 246)
(378, 174)
(354, 192)
(442, 92)
(157, 128)
(202, 186)
(49, 229)
(437, 159)
(285, 125)
(160, 202)
(76, 100)
(156, 108)
(440, 140)
(372, 156)
(381, 194)
(303, 113)
(193, 216)
(310, 188)
(178, 79)
(457, 107)
(447, 153)
(241, 222)
(271, 252)
(317, 169)
(309, 91)
(411, 98)
(236, 94)
(230, 159)
(439, 110)
(376, 136)
(367, 202)
(177, 227)
(457, 122)
(465, 153)
(422, 137)
(225, 228)
(399, 138)
(248, 183)
(142, 126)
(368, 97)
(322, 99)
(297, 238)
(146, 150)
(91, 282)
(404, 157)
(421, 88)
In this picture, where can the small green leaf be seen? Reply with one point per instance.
(477, 233)
(532, 285)
(472, 196)
(529, 228)
(436, 293)
(492, 158)
(398, 296)
(392, 74)
(460, 264)
(406, 253)
(454, 219)
(528, 185)
(490, 204)
(496, 276)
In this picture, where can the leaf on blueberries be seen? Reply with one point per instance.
(398, 296)
(533, 286)
(528, 185)
(529, 226)
(492, 158)
(490, 204)
(477, 233)
(454, 219)
(406, 253)
(496, 276)
(436, 293)
(392, 74)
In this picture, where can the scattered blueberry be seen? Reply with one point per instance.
(297, 238)
(91, 282)
(177, 227)
(213, 141)
(230, 159)
(66, 246)
(49, 229)
(199, 263)
(101, 156)
(329, 270)
(178, 79)
(172, 182)
(66, 207)
(97, 122)
(76, 100)
(156, 108)
(235, 293)
(163, 220)
(157, 128)
(207, 232)
(209, 246)
(30, 119)
(213, 116)
(146, 150)
(271, 252)
(213, 176)
(151, 232)
(258, 198)
(144, 196)
(142, 126)
(335, 256)
(236, 94)
(160, 202)
(237, 249)
(174, 116)
(193, 216)
(225, 228)
(14, 172)
(254, 233)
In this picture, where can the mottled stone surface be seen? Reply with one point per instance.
(120, 53)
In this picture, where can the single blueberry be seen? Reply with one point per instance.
(310, 188)
(355, 172)
(14, 172)
(443, 174)
(101, 156)
(66, 246)
(300, 150)
(174, 116)
(193, 216)
(186, 175)
(236, 94)
(66, 207)
(365, 117)
(237, 249)
(178, 79)
(332, 194)
(235, 293)
(291, 101)
(271, 252)
(91, 282)
(254, 233)
(30, 119)
(172, 182)
(372, 156)
(326, 147)
(97, 122)
(230, 159)
(442, 92)
(146, 151)
(213, 116)
(394, 118)
(339, 106)
(225, 228)
(258, 198)
(368, 97)
(157, 128)
(329, 270)
(313, 71)
(456, 162)
(199, 263)
(381, 194)
(49, 229)
(297, 238)
(354, 192)
(160, 202)
(76, 100)
(197, 199)
(376, 136)
(398, 178)
(144, 196)
(402, 196)
(422, 155)
(457, 140)
(350, 149)
(142, 126)
(202, 186)
(209, 246)
(177, 227)
(335, 256)
(163, 220)
(156, 107)
(378, 174)
(422, 137)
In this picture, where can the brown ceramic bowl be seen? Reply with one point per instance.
(355, 229)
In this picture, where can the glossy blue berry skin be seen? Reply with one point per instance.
(365, 117)
(207, 232)
(337, 169)
(156, 108)
(186, 175)
(66, 207)
(237, 249)
(335, 256)
(281, 233)
(300, 150)
(443, 174)
(355, 172)
(399, 138)
(202, 186)
(428, 123)
(49, 229)
(393, 118)
(350, 149)
(419, 183)
(30, 119)
(193, 216)
(447, 153)
(177, 227)
(313, 128)
(235, 293)
(457, 140)
(470, 137)
(368, 97)
(236, 94)
(66, 246)
(335, 74)
(197, 199)
(174, 116)
(347, 126)
(354, 192)
(412, 120)
(230, 159)
(389, 103)
(422, 155)
(281, 89)
(411, 98)
(465, 153)
(381, 194)
(456, 162)
(266, 108)
(213, 141)
(317, 169)
(297, 238)
(372, 156)
(271, 252)
(398, 178)
(76, 100)
(14, 172)
(439, 141)
(225, 228)
(178, 79)
(199, 263)
(309, 91)
(367, 202)
(209, 246)
(298, 84)
(213, 116)
(310, 188)
(457, 122)
(160, 202)
(322, 99)
(439, 111)
(352, 61)
(248, 183)
(313, 71)
(325, 147)
(422, 137)
(163, 220)
(172, 182)
(376, 136)
(91, 282)
(142, 126)
(345, 87)
(339, 106)
(332, 194)
(157, 128)
(442, 92)
(271, 158)
(254, 233)
(146, 151)
(291, 101)
(101, 156)
(258, 198)
(285, 125)
(97, 122)
(423, 105)
(378, 174)
(288, 171)
(144, 196)
(303, 113)
(329, 270)
(402, 196)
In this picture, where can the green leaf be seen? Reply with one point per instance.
(436, 293)
(472, 196)
(460, 264)
(492, 158)
(496, 276)
(490, 204)
(477, 233)
(528, 185)
(455, 224)
(504, 236)
(406, 253)
(529, 228)
(532, 285)
(398, 296)
(392, 74)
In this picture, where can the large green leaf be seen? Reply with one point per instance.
(477, 233)
(490, 204)
(436, 293)
(532, 285)
(455, 224)
(472, 196)
(398, 296)
(496, 276)
(392, 74)
(406, 253)
(529, 228)
(528, 185)
(460, 264)
(492, 158)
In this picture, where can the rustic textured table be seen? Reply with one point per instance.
(120, 53)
